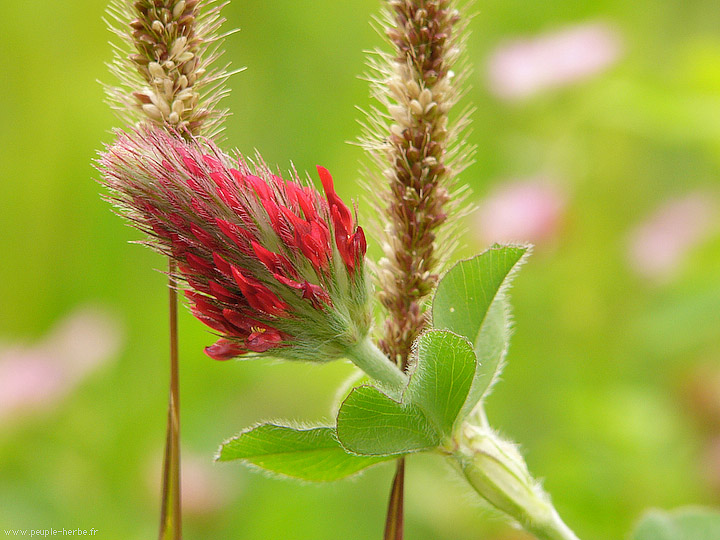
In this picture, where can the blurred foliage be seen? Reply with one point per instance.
(607, 371)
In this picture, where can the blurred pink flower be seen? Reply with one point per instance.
(205, 487)
(523, 67)
(37, 376)
(521, 211)
(658, 246)
(710, 464)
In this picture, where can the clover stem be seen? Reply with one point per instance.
(372, 361)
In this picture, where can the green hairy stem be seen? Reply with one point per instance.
(497, 471)
(373, 361)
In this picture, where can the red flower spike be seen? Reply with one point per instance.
(255, 251)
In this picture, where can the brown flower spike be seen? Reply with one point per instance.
(164, 64)
(419, 154)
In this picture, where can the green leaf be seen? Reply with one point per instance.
(312, 454)
(490, 347)
(466, 291)
(371, 423)
(442, 378)
(470, 301)
(682, 524)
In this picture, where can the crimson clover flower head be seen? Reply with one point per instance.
(269, 264)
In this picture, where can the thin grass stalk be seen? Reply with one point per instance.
(394, 522)
(171, 506)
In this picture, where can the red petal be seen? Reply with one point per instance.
(218, 326)
(213, 163)
(274, 262)
(203, 237)
(317, 295)
(241, 320)
(201, 210)
(259, 185)
(288, 282)
(303, 200)
(229, 198)
(258, 295)
(191, 165)
(198, 264)
(273, 212)
(238, 177)
(342, 240)
(198, 285)
(202, 306)
(237, 234)
(224, 349)
(343, 212)
(262, 341)
(220, 179)
(359, 244)
(221, 264)
(221, 293)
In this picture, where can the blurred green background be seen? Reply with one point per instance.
(613, 380)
